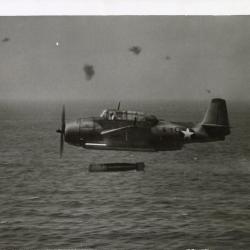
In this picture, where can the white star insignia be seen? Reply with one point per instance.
(187, 133)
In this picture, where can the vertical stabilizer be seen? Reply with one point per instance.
(216, 120)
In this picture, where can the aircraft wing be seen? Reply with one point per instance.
(111, 131)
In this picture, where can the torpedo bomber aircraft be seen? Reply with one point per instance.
(116, 129)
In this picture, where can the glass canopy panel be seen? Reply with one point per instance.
(122, 115)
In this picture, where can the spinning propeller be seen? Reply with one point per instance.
(62, 131)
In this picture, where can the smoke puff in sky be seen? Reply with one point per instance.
(135, 49)
(89, 71)
(209, 53)
(6, 39)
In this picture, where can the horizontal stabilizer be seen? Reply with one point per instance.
(215, 125)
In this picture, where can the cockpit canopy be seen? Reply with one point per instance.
(114, 114)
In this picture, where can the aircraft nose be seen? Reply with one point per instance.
(72, 135)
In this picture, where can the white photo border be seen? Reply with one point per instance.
(124, 7)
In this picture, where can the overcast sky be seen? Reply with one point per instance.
(181, 57)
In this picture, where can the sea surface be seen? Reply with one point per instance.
(195, 198)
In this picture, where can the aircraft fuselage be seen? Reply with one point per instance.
(130, 130)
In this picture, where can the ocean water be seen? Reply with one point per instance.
(195, 198)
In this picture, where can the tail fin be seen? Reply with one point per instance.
(216, 121)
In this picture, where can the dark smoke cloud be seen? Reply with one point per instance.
(168, 58)
(135, 49)
(89, 71)
(6, 39)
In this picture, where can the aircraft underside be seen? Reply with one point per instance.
(150, 145)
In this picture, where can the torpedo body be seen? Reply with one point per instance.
(116, 167)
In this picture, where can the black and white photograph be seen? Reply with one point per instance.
(124, 131)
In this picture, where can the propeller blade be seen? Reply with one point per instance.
(62, 131)
(61, 144)
(63, 119)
